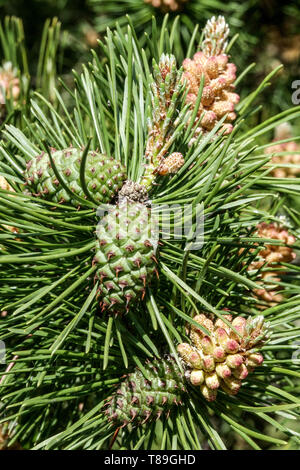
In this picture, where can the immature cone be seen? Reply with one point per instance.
(139, 400)
(223, 358)
(218, 97)
(125, 255)
(104, 176)
(272, 256)
(282, 132)
(167, 5)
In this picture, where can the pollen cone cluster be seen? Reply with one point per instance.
(167, 5)
(272, 256)
(125, 255)
(218, 96)
(222, 359)
(139, 400)
(283, 132)
(104, 176)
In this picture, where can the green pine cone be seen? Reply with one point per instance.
(139, 400)
(125, 254)
(104, 176)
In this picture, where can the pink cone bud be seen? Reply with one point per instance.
(196, 338)
(199, 57)
(219, 323)
(232, 346)
(231, 117)
(228, 390)
(240, 372)
(223, 370)
(203, 321)
(212, 380)
(222, 107)
(209, 395)
(186, 351)
(218, 84)
(222, 60)
(207, 345)
(211, 67)
(195, 360)
(239, 323)
(231, 67)
(187, 63)
(221, 336)
(255, 359)
(208, 363)
(226, 128)
(233, 384)
(197, 377)
(233, 97)
(234, 360)
(219, 354)
(191, 98)
(208, 96)
(208, 120)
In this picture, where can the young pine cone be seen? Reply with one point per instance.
(273, 256)
(223, 359)
(139, 400)
(167, 5)
(284, 131)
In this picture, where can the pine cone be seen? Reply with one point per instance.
(167, 5)
(139, 400)
(222, 359)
